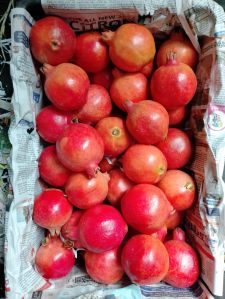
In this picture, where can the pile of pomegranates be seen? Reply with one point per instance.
(115, 153)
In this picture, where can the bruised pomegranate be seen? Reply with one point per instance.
(178, 115)
(101, 228)
(145, 260)
(179, 188)
(177, 148)
(131, 47)
(51, 122)
(51, 210)
(50, 169)
(66, 85)
(103, 78)
(52, 41)
(145, 208)
(80, 148)
(144, 163)
(147, 121)
(104, 267)
(98, 105)
(133, 87)
(84, 192)
(173, 84)
(114, 134)
(118, 185)
(53, 260)
(184, 268)
(91, 52)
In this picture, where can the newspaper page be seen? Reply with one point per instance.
(205, 224)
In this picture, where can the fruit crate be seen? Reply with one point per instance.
(203, 22)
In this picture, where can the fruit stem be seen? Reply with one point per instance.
(115, 131)
(171, 58)
(107, 36)
(46, 69)
(189, 186)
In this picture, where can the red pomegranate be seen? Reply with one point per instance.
(50, 169)
(173, 84)
(179, 188)
(107, 164)
(144, 164)
(160, 234)
(145, 260)
(80, 148)
(51, 210)
(131, 47)
(91, 52)
(178, 234)
(177, 148)
(84, 192)
(104, 267)
(184, 268)
(52, 41)
(51, 122)
(101, 228)
(53, 260)
(115, 135)
(103, 78)
(148, 69)
(145, 208)
(66, 85)
(147, 121)
(98, 105)
(133, 87)
(177, 116)
(174, 219)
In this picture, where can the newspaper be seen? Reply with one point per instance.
(203, 21)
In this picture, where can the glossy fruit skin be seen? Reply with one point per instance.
(50, 169)
(69, 230)
(51, 210)
(52, 41)
(145, 260)
(104, 267)
(103, 78)
(132, 87)
(50, 122)
(184, 268)
(179, 188)
(177, 116)
(53, 260)
(147, 69)
(91, 52)
(160, 234)
(147, 121)
(101, 228)
(132, 47)
(83, 192)
(66, 86)
(177, 148)
(115, 135)
(145, 208)
(144, 164)
(117, 186)
(173, 84)
(174, 219)
(80, 148)
(98, 105)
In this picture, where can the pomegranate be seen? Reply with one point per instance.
(173, 84)
(184, 268)
(179, 188)
(147, 121)
(80, 148)
(131, 47)
(66, 85)
(51, 210)
(50, 169)
(145, 260)
(160, 234)
(177, 148)
(91, 52)
(174, 219)
(115, 135)
(101, 228)
(51, 122)
(98, 105)
(53, 260)
(83, 192)
(104, 267)
(103, 78)
(177, 116)
(145, 208)
(147, 69)
(133, 87)
(118, 185)
(52, 41)
(107, 164)
(178, 234)
(144, 164)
